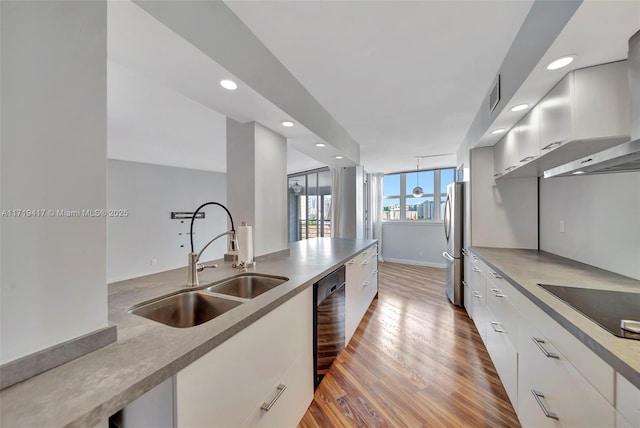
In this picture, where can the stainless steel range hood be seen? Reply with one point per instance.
(624, 157)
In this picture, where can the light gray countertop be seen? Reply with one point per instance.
(87, 390)
(525, 269)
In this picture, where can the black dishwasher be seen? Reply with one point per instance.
(328, 322)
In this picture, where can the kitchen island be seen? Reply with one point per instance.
(86, 391)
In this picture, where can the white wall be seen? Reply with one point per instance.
(504, 212)
(600, 214)
(414, 243)
(270, 231)
(54, 139)
(150, 193)
(257, 183)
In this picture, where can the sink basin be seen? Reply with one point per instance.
(185, 309)
(248, 285)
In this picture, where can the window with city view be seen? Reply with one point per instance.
(309, 205)
(401, 205)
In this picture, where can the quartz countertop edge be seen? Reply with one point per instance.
(88, 390)
(525, 269)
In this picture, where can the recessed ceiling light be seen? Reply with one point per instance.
(287, 124)
(560, 62)
(577, 172)
(229, 84)
(498, 131)
(520, 107)
(320, 144)
(339, 157)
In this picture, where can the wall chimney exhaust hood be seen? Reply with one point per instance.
(624, 157)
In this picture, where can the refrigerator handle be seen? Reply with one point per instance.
(447, 217)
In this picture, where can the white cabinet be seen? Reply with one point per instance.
(502, 332)
(361, 287)
(506, 153)
(551, 392)
(587, 104)
(627, 403)
(227, 386)
(478, 301)
(529, 136)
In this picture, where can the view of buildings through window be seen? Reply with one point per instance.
(309, 205)
(399, 202)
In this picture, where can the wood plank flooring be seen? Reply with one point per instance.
(415, 361)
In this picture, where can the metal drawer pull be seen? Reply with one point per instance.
(366, 262)
(538, 395)
(464, 283)
(476, 294)
(497, 330)
(496, 292)
(267, 406)
(365, 283)
(496, 275)
(352, 261)
(375, 272)
(475, 269)
(475, 258)
(546, 353)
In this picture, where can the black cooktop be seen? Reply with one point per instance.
(605, 308)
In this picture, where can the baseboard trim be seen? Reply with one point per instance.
(416, 263)
(31, 365)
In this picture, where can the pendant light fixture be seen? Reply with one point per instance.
(417, 191)
(296, 189)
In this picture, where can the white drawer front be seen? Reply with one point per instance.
(628, 400)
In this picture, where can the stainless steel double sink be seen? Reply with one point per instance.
(195, 306)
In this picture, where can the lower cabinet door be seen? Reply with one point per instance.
(504, 357)
(228, 386)
(551, 392)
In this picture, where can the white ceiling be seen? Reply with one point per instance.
(597, 33)
(405, 79)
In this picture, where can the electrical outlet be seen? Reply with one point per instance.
(154, 262)
(561, 226)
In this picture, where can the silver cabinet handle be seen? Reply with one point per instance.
(546, 353)
(476, 294)
(475, 258)
(496, 275)
(495, 324)
(352, 261)
(365, 283)
(465, 252)
(267, 406)
(475, 269)
(538, 395)
(496, 292)
(464, 283)
(375, 272)
(366, 262)
(498, 175)
(551, 145)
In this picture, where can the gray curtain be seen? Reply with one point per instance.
(376, 210)
(337, 195)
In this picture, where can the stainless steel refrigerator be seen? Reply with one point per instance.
(453, 223)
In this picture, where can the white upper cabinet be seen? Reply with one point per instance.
(586, 112)
(505, 158)
(529, 136)
(555, 116)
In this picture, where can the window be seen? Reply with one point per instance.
(309, 204)
(399, 202)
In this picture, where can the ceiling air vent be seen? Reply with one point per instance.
(494, 95)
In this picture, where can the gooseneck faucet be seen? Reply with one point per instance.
(194, 267)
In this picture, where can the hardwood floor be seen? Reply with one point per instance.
(415, 361)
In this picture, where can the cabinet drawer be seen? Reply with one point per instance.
(233, 380)
(500, 306)
(593, 368)
(505, 359)
(551, 392)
